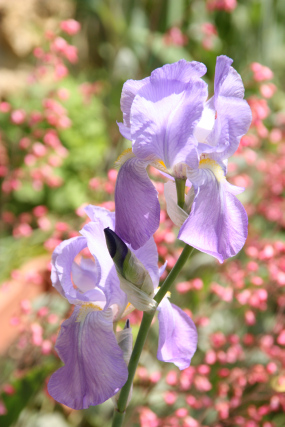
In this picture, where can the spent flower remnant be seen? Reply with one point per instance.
(94, 355)
(174, 128)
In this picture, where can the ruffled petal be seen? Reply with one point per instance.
(94, 367)
(129, 91)
(85, 276)
(164, 114)
(182, 71)
(228, 82)
(218, 222)
(137, 206)
(125, 131)
(62, 261)
(233, 121)
(178, 336)
(109, 282)
(95, 237)
(105, 217)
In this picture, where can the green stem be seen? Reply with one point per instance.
(180, 188)
(119, 414)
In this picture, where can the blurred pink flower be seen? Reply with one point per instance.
(174, 36)
(261, 72)
(70, 26)
(18, 117)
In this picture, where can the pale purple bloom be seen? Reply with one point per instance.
(94, 364)
(173, 128)
(160, 114)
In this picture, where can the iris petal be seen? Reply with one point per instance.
(182, 71)
(62, 261)
(137, 206)
(217, 223)
(94, 367)
(228, 82)
(177, 335)
(163, 118)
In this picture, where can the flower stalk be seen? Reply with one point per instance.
(180, 188)
(119, 413)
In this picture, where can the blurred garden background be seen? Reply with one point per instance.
(62, 67)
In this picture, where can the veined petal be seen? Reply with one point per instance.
(228, 82)
(84, 275)
(182, 71)
(62, 261)
(137, 206)
(129, 91)
(178, 336)
(233, 121)
(105, 217)
(218, 222)
(125, 131)
(94, 367)
(94, 235)
(109, 282)
(164, 114)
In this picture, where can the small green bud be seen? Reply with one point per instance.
(135, 280)
(117, 249)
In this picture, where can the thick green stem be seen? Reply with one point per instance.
(119, 414)
(180, 188)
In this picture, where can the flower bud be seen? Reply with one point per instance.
(135, 280)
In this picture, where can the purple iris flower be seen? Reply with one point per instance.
(94, 364)
(173, 128)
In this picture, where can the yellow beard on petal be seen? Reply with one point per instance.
(214, 167)
(86, 309)
(159, 164)
(123, 157)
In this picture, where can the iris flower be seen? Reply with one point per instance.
(95, 366)
(173, 128)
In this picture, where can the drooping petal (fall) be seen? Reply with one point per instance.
(94, 367)
(137, 205)
(217, 223)
(178, 336)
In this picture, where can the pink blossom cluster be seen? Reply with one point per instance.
(226, 5)
(209, 35)
(175, 37)
(52, 59)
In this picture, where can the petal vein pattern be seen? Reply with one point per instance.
(92, 373)
(137, 206)
(218, 222)
(163, 119)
